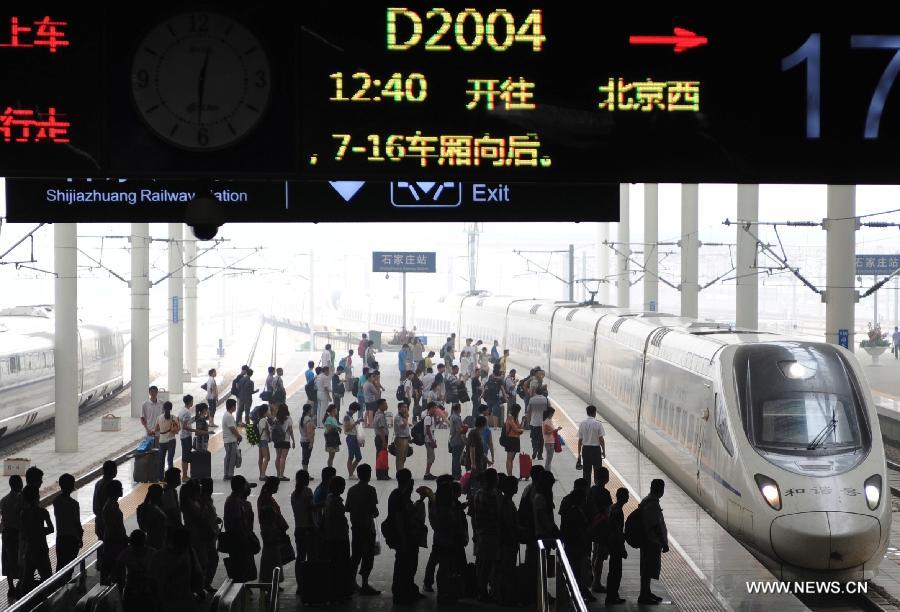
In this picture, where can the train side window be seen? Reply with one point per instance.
(14, 364)
(722, 425)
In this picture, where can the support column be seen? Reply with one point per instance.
(190, 305)
(651, 250)
(747, 290)
(623, 285)
(176, 313)
(603, 262)
(571, 274)
(140, 315)
(840, 260)
(690, 251)
(67, 382)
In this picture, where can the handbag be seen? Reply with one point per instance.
(332, 438)
(238, 460)
(361, 436)
(224, 543)
(286, 550)
(557, 446)
(377, 549)
(203, 386)
(265, 396)
(255, 545)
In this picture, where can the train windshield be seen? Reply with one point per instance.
(800, 399)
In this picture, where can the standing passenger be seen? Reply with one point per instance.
(307, 435)
(616, 545)
(212, 394)
(10, 526)
(534, 414)
(656, 540)
(230, 437)
(150, 411)
(550, 432)
(401, 434)
(69, 531)
(115, 538)
(282, 428)
(591, 445)
(362, 504)
(185, 420)
(167, 430)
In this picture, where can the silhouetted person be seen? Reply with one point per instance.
(34, 477)
(336, 535)
(486, 530)
(404, 540)
(212, 525)
(599, 501)
(173, 570)
(192, 513)
(69, 531)
(574, 529)
(151, 518)
(508, 592)
(169, 502)
(35, 526)
(362, 505)
(434, 555)
(542, 504)
(242, 542)
(319, 496)
(526, 520)
(115, 538)
(615, 543)
(273, 529)
(451, 535)
(110, 469)
(10, 528)
(132, 574)
(302, 506)
(656, 540)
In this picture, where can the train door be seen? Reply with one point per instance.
(708, 405)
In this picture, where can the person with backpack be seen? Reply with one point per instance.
(338, 389)
(494, 395)
(351, 436)
(655, 540)
(446, 352)
(281, 430)
(615, 543)
(347, 364)
(332, 433)
(599, 502)
(261, 421)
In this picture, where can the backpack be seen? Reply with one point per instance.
(401, 393)
(634, 528)
(522, 387)
(337, 386)
(354, 387)
(311, 390)
(255, 416)
(236, 385)
(491, 389)
(343, 363)
(277, 432)
(417, 433)
(443, 351)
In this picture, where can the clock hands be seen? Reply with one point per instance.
(201, 86)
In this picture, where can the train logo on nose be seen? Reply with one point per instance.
(426, 194)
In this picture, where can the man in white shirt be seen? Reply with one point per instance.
(150, 411)
(591, 445)
(230, 436)
(323, 394)
(212, 394)
(185, 420)
(327, 359)
(430, 443)
(534, 413)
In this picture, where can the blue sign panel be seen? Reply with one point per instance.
(844, 338)
(877, 265)
(404, 261)
(174, 309)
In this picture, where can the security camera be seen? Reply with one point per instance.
(387, 276)
(204, 215)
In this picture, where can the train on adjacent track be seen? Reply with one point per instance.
(776, 437)
(27, 366)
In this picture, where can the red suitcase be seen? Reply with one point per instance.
(524, 466)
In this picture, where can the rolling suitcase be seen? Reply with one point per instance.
(201, 464)
(524, 466)
(146, 466)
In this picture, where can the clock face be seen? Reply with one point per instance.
(201, 80)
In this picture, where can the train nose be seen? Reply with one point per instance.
(825, 540)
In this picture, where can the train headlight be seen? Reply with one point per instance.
(873, 491)
(770, 491)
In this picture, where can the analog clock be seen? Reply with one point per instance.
(201, 80)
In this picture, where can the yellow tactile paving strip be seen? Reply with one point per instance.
(687, 589)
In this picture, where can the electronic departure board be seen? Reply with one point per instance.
(439, 108)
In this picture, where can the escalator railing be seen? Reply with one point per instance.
(46, 589)
(550, 565)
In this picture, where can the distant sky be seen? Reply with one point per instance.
(343, 257)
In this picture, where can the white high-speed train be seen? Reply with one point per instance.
(26, 366)
(777, 438)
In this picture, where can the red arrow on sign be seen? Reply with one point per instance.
(683, 40)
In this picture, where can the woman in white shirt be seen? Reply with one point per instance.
(167, 429)
(262, 427)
